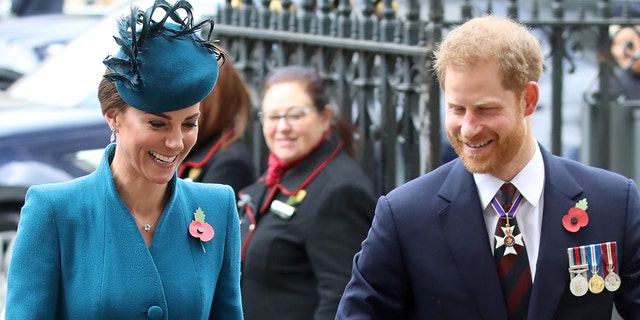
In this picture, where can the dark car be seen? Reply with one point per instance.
(51, 127)
(48, 144)
(43, 145)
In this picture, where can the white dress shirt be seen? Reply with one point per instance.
(530, 183)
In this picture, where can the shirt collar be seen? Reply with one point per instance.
(527, 181)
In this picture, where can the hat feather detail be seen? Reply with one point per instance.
(176, 22)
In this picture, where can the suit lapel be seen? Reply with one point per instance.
(470, 248)
(561, 192)
(463, 226)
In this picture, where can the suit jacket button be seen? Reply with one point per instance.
(155, 312)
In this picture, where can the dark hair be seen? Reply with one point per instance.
(226, 107)
(109, 97)
(315, 88)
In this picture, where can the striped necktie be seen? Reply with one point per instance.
(511, 255)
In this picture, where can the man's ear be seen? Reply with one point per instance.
(531, 96)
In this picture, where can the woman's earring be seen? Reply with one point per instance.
(113, 134)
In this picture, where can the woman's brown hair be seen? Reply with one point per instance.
(109, 97)
(226, 107)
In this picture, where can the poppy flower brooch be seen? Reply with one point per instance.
(200, 229)
(577, 217)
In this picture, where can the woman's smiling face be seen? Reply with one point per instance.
(292, 125)
(151, 146)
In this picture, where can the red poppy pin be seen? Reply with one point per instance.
(200, 229)
(577, 217)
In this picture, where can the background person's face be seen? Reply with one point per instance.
(291, 141)
(624, 45)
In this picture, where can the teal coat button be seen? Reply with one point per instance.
(155, 312)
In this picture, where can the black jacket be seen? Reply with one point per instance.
(296, 267)
(232, 165)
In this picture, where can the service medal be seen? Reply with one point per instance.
(612, 282)
(579, 285)
(596, 284)
(577, 269)
(510, 239)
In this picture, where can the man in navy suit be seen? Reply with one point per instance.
(444, 246)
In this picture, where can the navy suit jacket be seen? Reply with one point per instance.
(427, 256)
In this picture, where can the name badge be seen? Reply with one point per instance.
(282, 209)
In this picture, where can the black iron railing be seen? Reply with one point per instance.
(376, 57)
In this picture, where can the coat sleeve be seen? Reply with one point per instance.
(342, 222)
(378, 286)
(34, 270)
(627, 300)
(227, 303)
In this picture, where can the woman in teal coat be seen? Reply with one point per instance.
(131, 240)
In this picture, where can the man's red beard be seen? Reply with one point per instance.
(503, 150)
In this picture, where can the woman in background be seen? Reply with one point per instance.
(220, 155)
(304, 219)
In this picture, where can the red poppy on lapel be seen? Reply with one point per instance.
(199, 229)
(577, 217)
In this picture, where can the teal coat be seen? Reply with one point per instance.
(78, 254)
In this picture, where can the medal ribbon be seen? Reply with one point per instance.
(497, 207)
(593, 260)
(610, 257)
(579, 256)
(576, 256)
(571, 259)
(583, 258)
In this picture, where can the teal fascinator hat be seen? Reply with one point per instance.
(163, 65)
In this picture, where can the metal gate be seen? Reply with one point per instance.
(376, 57)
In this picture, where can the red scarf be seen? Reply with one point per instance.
(276, 167)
